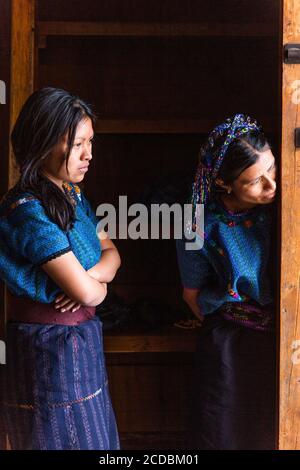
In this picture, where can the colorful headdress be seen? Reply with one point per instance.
(211, 160)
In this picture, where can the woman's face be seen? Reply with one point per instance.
(81, 153)
(256, 184)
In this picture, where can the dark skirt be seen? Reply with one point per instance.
(234, 391)
(54, 390)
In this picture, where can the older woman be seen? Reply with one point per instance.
(227, 285)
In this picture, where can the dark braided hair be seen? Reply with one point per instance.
(241, 154)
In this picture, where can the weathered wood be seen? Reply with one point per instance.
(167, 11)
(151, 398)
(164, 126)
(157, 126)
(4, 119)
(165, 339)
(289, 389)
(5, 79)
(159, 403)
(157, 85)
(149, 441)
(4, 139)
(21, 75)
(110, 28)
(22, 64)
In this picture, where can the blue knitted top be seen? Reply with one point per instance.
(233, 264)
(28, 238)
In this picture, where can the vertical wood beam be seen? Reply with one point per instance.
(5, 45)
(5, 15)
(22, 65)
(22, 19)
(289, 387)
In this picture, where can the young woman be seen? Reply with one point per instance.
(54, 393)
(227, 285)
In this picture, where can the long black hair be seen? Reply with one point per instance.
(47, 116)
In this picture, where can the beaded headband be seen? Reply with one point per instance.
(210, 163)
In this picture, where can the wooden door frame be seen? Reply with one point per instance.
(17, 61)
(22, 62)
(22, 65)
(21, 86)
(289, 350)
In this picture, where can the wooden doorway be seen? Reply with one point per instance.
(289, 356)
(21, 66)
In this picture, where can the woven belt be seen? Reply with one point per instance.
(250, 315)
(25, 310)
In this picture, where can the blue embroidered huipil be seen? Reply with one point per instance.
(233, 264)
(54, 394)
(28, 238)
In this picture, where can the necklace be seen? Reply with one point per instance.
(232, 218)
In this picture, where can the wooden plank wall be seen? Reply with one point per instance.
(289, 411)
(145, 88)
(22, 64)
(4, 76)
(154, 414)
(4, 119)
(4, 141)
(139, 80)
(142, 80)
(16, 58)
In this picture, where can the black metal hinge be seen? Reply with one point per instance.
(291, 54)
(297, 137)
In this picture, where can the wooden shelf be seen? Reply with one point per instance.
(165, 126)
(109, 28)
(165, 339)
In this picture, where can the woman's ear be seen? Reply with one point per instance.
(222, 185)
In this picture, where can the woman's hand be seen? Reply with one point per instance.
(63, 303)
(190, 296)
